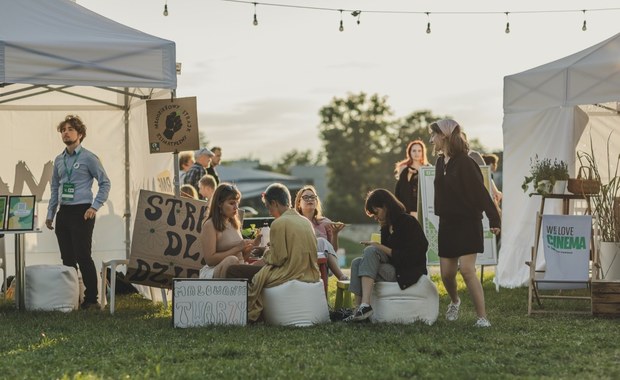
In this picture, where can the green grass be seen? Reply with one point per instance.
(139, 342)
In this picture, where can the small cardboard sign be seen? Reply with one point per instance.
(173, 125)
(166, 239)
(202, 302)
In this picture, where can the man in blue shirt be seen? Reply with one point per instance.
(72, 182)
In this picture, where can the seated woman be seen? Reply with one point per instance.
(222, 244)
(308, 204)
(400, 257)
(188, 191)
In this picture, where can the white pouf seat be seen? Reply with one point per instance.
(295, 303)
(419, 302)
(51, 288)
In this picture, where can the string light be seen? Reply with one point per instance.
(166, 8)
(255, 22)
(428, 23)
(357, 14)
(507, 31)
(584, 27)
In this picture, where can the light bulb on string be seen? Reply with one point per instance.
(341, 28)
(584, 27)
(357, 14)
(166, 9)
(255, 22)
(428, 24)
(507, 31)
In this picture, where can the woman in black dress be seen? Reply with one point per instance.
(406, 172)
(460, 199)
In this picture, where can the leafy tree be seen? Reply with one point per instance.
(296, 157)
(356, 134)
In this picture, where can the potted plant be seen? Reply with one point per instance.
(544, 174)
(606, 209)
(559, 176)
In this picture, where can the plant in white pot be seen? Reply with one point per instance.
(606, 204)
(544, 174)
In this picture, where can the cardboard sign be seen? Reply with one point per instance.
(173, 125)
(165, 242)
(201, 302)
(430, 221)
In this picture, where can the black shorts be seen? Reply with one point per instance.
(460, 237)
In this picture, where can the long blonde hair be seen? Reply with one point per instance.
(318, 211)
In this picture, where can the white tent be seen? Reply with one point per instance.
(552, 111)
(58, 58)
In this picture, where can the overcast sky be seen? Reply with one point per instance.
(260, 88)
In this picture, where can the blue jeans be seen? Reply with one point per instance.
(374, 264)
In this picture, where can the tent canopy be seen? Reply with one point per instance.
(58, 42)
(58, 58)
(553, 111)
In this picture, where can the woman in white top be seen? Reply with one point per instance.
(222, 244)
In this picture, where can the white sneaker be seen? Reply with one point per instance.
(452, 314)
(482, 322)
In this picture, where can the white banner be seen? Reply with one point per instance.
(430, 221)
(566, 244)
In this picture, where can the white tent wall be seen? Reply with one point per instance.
(29, 135)
(546, 111)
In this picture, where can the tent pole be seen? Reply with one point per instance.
(127, 214)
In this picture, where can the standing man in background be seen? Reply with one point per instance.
(186, 160)
(215, 161)
(202, 158)
(72, 182)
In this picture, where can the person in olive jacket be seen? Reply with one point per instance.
(399, 257)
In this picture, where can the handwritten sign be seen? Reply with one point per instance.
(165, 243)
(201, 302)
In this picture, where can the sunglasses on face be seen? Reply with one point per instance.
(309, 198)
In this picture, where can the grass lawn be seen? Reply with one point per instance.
(139, 342)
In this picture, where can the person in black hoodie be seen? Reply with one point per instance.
(399, 257)
(460, 199)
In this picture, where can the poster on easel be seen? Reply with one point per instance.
(21, 213)
(430, 221)
(172, 125)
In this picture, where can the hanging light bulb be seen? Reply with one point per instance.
(507, 31)
(584, 27)
(357, 14)
(255, 22)
(428, 24)
(341, 28)
(166, 9)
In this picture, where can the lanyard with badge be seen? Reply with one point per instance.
(68, 188)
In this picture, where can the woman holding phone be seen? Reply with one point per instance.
(308, 204)
(399, 257)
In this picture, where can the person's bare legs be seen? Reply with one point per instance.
(468, 271)
(367, 284)
(448, 268)
(332, 264)
(220, 269)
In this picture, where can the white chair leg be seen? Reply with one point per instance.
(112, 264)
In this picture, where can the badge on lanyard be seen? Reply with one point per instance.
(68, 190)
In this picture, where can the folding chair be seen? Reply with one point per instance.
(567, 242)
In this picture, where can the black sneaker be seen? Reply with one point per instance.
(90, 305)
(361, 313)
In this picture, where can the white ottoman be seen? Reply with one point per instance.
(295, 303)
(51, 288)
(419, 302)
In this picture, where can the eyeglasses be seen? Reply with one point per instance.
(308, 198)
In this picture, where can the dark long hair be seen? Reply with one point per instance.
(223, 192)
(455, 143)
(384, 198)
